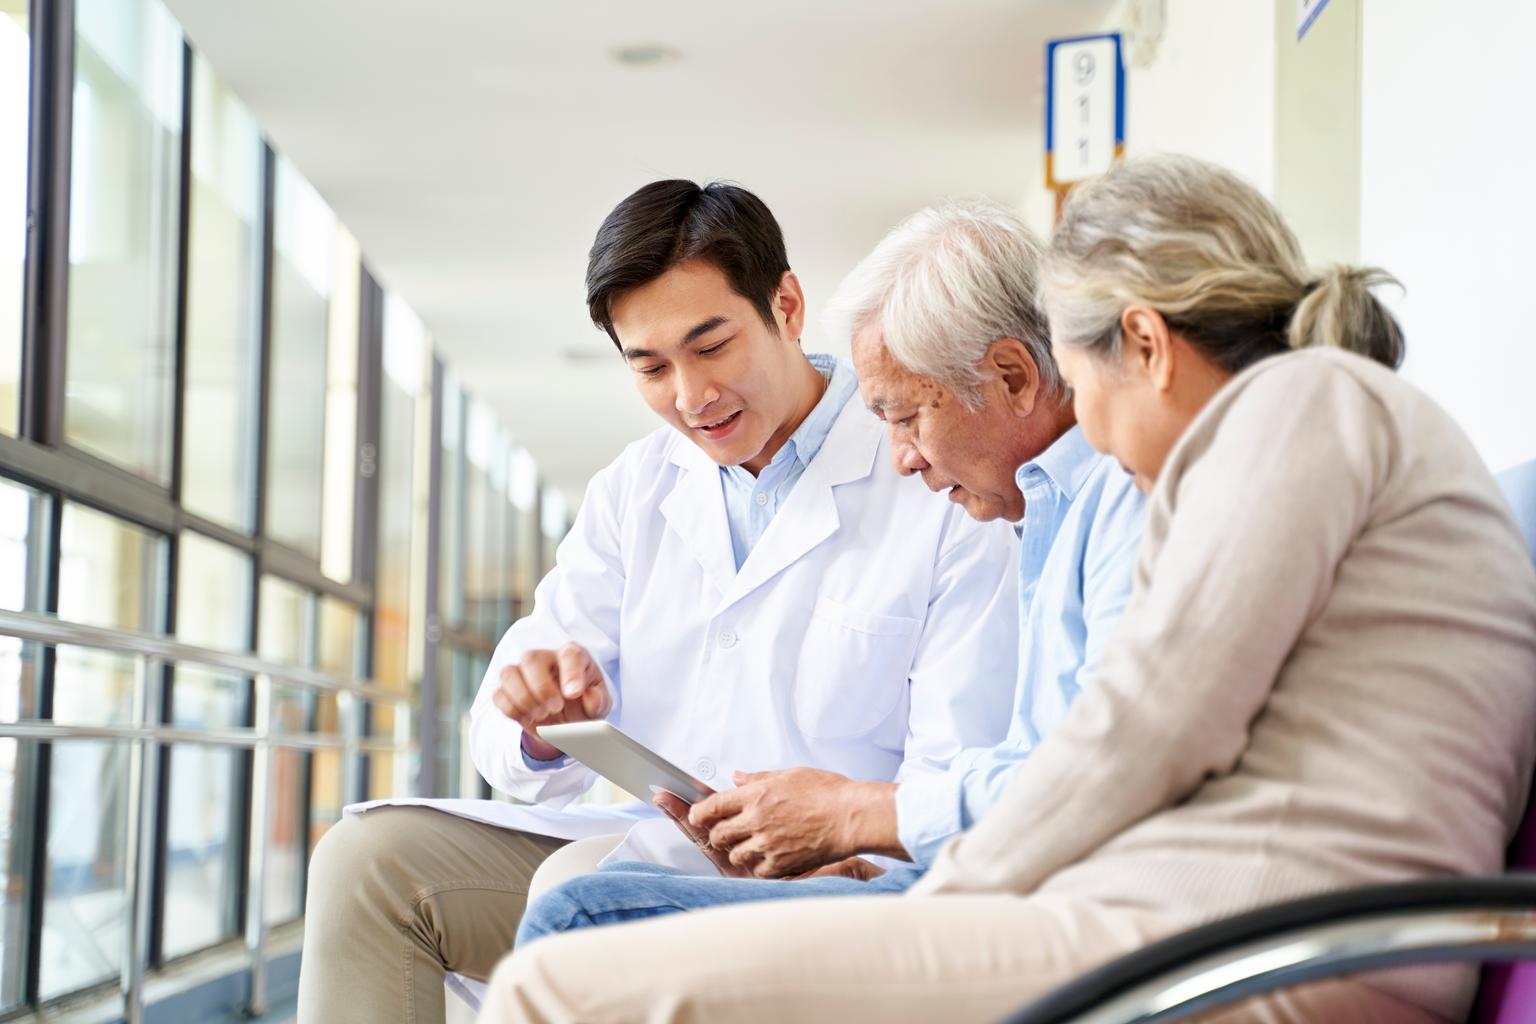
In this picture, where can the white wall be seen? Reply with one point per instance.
(1448, 203)
(1209, 90)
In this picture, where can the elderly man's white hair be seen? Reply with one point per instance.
(942, 287)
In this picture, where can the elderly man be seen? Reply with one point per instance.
(952, 354)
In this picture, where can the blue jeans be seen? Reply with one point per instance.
(630, 891)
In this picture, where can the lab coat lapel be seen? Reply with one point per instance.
(809, 515)
(695, 511)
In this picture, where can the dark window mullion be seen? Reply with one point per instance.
(46, 280)
(252, 830)
(37, 862)
(161, 854)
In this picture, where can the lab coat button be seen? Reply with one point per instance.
(705, 768)
(727, 639)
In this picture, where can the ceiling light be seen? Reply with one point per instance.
(645, 55)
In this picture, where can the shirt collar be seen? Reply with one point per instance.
(809, 436)
(1067, 463)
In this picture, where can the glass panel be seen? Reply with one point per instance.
(381, 777)
(213, 594)
(213, 598)
(85, 915)
(523, 489)
(451, 578)
(223, 305)
(340, 649)
(110, 574)
(17, 770)
(23, 539)
(124, 190)
(325, 795)
(202, 867)
(405, 354)
(342, 348)
(15, 98)
(480, 447)
(312, 418)
(554, 521)
(287, 622)
(286, 854)
(459, 677)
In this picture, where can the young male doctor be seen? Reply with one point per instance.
(751, 587)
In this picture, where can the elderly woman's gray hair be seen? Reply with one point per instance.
(942, 287)
(1213, 256)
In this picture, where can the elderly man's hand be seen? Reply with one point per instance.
(784, 823)
(854, 867)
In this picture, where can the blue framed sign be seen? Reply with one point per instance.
(1306, 13)
(1084, 107)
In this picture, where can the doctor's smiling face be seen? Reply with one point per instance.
(692, 283)
(706, 361)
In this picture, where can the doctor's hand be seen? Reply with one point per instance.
(791, 822)
(551, 686)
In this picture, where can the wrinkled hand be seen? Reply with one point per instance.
(551, 686)
(782, 823)
(853, 867)
(677, 809)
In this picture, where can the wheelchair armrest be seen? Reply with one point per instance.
(1484, 918)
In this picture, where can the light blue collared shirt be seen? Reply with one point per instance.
(751, 501)
(1077, 548)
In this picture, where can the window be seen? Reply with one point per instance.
(123, 227)
(204, 815)
(312, 413)
(405, 367)
(15, 101)
(223, 305)
(523, 491)
(111, 573)
(287, 637)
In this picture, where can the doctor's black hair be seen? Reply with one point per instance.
(670, 222)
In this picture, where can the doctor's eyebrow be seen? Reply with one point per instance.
(702, 328)
(694, 333)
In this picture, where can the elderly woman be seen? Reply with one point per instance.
(1326, 676)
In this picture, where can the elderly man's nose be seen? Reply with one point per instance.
(908, 459)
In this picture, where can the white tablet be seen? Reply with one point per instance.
(623, 760)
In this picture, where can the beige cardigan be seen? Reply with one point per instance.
(1326, 676)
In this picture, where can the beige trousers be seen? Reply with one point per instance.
(896, 960)
(401, 895)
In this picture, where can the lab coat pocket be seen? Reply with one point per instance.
(852, 669)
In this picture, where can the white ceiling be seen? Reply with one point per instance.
(473, 146)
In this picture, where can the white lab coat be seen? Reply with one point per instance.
(872, 631)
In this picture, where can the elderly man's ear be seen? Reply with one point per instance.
(1014, 368)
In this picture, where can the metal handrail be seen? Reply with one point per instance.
(147, 734)
(45, 730)
(1317, 953)
(49, 629)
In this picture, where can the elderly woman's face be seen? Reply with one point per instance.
(1115, 408)
(1136, 405)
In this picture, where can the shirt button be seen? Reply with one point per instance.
(705, 769)
(728, 639)
(762, 499)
